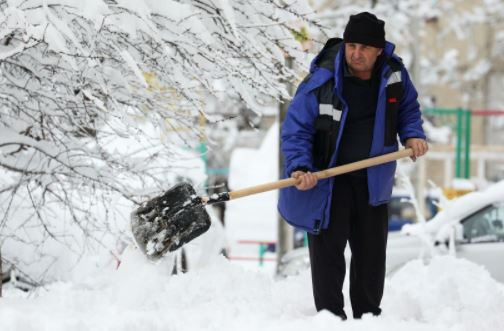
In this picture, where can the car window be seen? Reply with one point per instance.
(486, 225)
(401, 208)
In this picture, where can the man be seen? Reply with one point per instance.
(356, 100)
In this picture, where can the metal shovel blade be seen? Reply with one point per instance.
(167, 222)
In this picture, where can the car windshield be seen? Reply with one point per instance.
(486, 225)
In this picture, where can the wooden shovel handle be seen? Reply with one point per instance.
(331, 172)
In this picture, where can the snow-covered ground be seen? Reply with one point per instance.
(216, 293)
(448, 294)
(220, 294)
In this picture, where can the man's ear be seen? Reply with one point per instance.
(380, 51)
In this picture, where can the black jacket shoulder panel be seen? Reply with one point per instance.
(395, 63)
(328, 53)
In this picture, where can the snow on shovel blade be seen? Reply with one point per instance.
(167, 222)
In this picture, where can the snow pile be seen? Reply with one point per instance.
(436, 134)
(448, 294)
(254, 217)
(452, 293)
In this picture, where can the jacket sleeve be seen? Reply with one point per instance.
(298, 132)
(410, 117)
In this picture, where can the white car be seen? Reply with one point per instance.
(471, 227)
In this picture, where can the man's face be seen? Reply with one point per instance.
(361, 58)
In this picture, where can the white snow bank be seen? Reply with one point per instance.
(436, 134)
(448, 294)
(254, 217)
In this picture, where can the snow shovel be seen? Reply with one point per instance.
(165, 223)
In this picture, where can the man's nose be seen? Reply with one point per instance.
(357, 53)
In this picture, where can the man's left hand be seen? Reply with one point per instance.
(419, 147)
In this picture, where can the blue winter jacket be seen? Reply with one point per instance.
(310, 210)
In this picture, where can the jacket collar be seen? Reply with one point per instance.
(339, 62)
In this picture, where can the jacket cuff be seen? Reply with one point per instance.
(419, 136)
(299, 168)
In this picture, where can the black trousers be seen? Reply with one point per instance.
(365, 228)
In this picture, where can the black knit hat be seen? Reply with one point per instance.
(365, 28)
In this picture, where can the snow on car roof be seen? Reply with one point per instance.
(457, 209)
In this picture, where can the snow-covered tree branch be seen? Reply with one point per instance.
(95, 95)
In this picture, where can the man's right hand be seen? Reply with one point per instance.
(307, 180)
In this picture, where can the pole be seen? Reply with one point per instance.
(467, 151)
(458, 147)
(1, 273)
(421, 181)
(421, 184)
(285, 232)
(203, 146)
